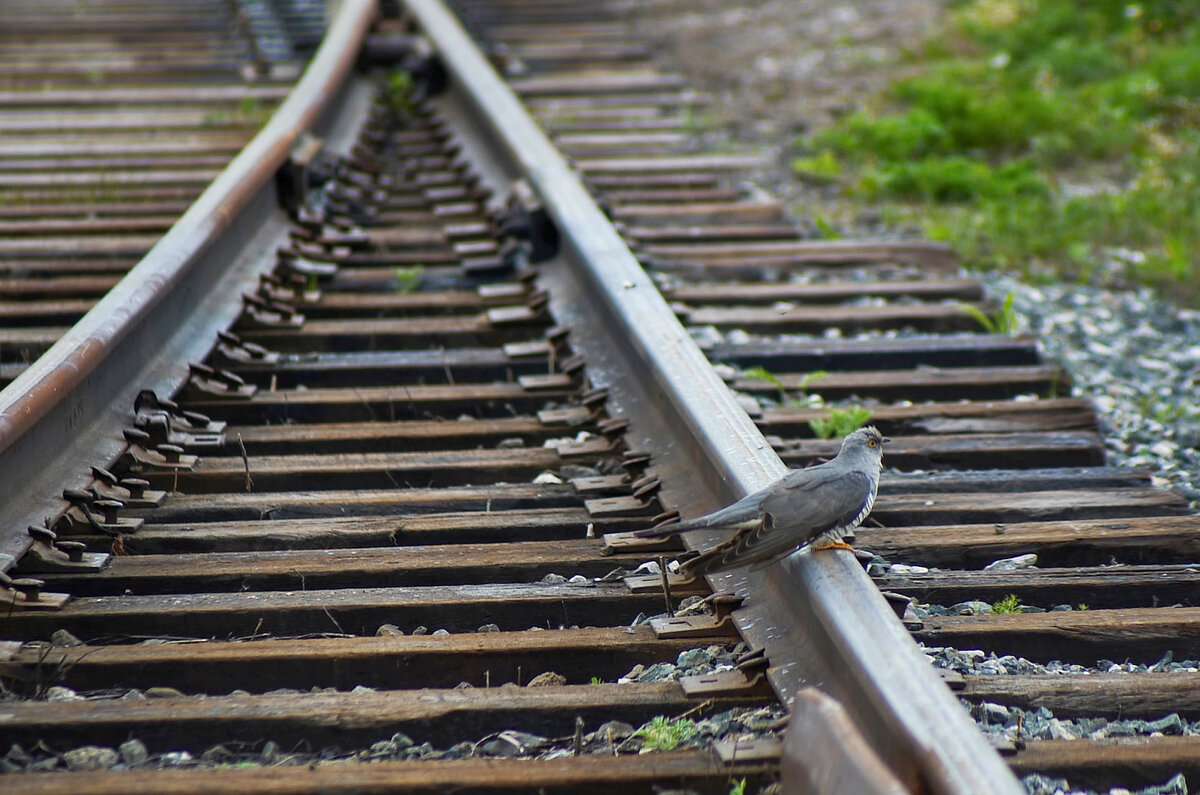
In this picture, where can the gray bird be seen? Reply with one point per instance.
(812, 507)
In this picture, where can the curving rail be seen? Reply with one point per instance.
(821, 614)
(61, 415)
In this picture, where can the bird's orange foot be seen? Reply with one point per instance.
(834, 545)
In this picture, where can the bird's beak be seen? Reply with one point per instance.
(886, 440)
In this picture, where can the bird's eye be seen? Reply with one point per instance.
(872, 443)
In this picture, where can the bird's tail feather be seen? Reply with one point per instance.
(671, 529)
(711, 561)
(728, 555)
(734, 517)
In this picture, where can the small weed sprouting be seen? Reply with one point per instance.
(664, 734)
(802, 390)
(825, 229)
(250, 111)
(808, 378)
(823, 167)
(840, 422)
(597, 680)
(761, 373)
(737, 787)
(1004, 321)
(1009, 604)
(398, 92)
(1082, 606)
(408, 278)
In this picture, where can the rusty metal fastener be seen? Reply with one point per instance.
(43, 534)
(650, 485)
(135, 486)
(171, 452)
(897, 601)
(557, 335)
(572, 365)
(157, 426)
(665, 518)
(148, 399)
(78, 496)
(754, 661)
(538, 301)
(633, 459)
(267, 305)
(594, 398)
(234, 348)
(310, 217)
(110, 508)
(613, 426)
(104, 476)
(29, 587)
(723, 604)
(74, 550)
(134, 436)
(198, 420)
(220, 376)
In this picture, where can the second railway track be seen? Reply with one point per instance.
(384, 520)
(113, 119)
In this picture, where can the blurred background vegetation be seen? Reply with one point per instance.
(1056, 138)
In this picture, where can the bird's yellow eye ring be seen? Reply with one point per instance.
(872, 443)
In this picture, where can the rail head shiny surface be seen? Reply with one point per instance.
(66, 412)
(813, 609)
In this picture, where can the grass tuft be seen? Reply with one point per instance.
(1056, 138)
(1009, 604)
(1004, 321)
(840, 422)
(664, 734)
(408, 278)
(399, 92)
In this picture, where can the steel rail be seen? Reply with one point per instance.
(819, 618)
(68, 410)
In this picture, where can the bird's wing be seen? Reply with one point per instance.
(794, 513)
(806, 507)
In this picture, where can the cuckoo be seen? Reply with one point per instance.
(814, 507)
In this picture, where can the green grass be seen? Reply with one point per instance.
(1015, 102)
(399, 91)
(408, 278)
(760, 373)
(664, 734)
(250, 111)
(840, 422)
(1003, 321)
(1009, 604)
(821, 167)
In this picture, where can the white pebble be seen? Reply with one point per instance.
(1012, 564)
